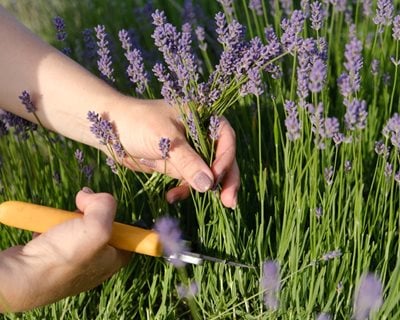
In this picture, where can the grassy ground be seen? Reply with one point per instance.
(289, 210)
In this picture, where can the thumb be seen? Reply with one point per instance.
(98, 212)
(191, 167)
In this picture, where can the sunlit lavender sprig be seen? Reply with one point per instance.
(317, 76)
(368, 296)
(214, 127)
(104, 62)
(270, 284)
(171, 239)
(136, 71)
(367, 8)
(105, 133)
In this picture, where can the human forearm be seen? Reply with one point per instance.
(61, 89)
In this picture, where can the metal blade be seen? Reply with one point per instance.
(198, 259)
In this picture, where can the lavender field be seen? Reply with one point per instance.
(311, 89)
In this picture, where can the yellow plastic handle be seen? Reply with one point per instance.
(38, 218)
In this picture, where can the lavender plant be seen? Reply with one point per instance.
(311, 89)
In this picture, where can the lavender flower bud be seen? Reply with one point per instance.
(324, 316)
(388, 170)
(171, 239)
(227, 5)
(375, 67)
(368, 296)
(87, 170)
(318, 212)
(256, 6)
(270, 284)
(331, 255)
(367, 8)
(79, 156)
(328, 175)
(111, 163)
(200, 34)
(90, 46)
(348, 166)
(27, 102)
(187, 292)
(381, 149)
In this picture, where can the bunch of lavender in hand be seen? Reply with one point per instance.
(203, 101)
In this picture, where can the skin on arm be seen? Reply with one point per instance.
(63, 92)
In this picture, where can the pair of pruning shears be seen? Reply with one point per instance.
(37, 218)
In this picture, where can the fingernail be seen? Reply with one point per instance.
(87, 190)
(148, 163)
(202, 182)
(218, 181)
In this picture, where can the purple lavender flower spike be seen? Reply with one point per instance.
(60, 28)
(79, 156)
(331, 126)
(367, 8)
(27, 102)
(338, 138)
(104, 131)
(201, 36)
(397, 177)
(381, 149)
(213, 127)
(104, 62)
(348, 166)
(396, 28)
(227, 5)
(171, 239)
(135, 70)
(90, 46)
(164, 145)
(87, 170)
(113, 166)
(328, 175)
(324, 316)
(388, 170)
(349, 82)
(292, 122)
(368, 296)
(270, 284)
(187, 292)
(318, 212)
(356, 114)
(375, 67)
(331, 255)
(291, 37)
(317, 76)
(305, 7)
(317, 15)
(254, 83)
(384, 14)
(392, 130)
(20, 125)
(286, 6)
(256, 6)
